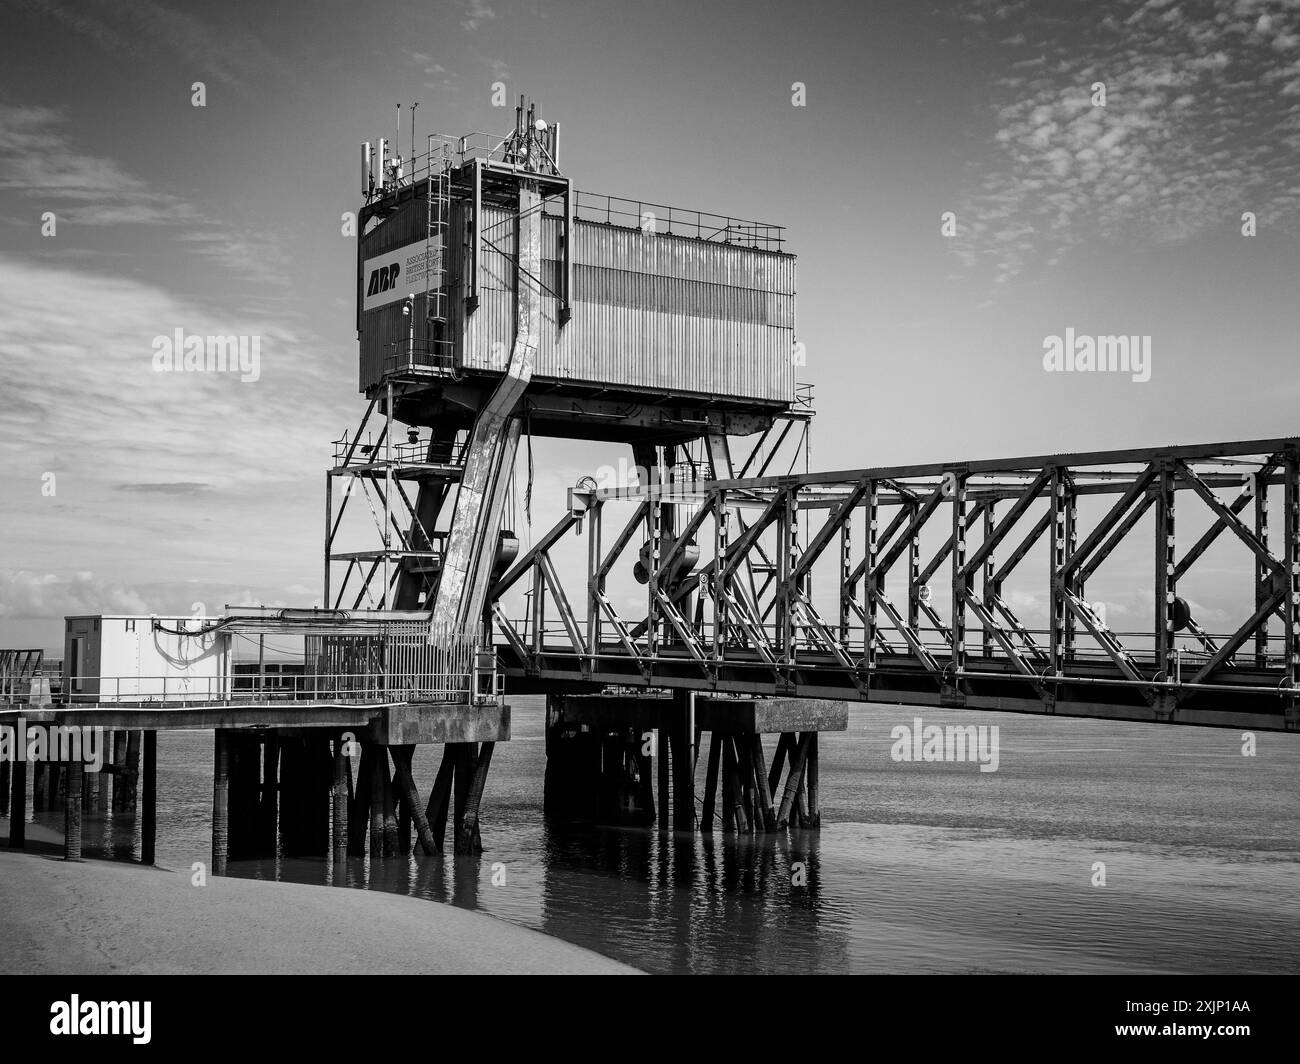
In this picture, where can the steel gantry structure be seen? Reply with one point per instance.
(730, 604)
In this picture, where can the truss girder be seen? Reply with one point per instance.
(710, 628)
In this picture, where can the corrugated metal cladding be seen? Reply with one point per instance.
(383, 327)
(658, 312)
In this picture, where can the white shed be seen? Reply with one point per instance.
(151, 659)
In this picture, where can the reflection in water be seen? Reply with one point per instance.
(918, 868)
(686, 903)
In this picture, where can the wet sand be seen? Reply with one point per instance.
(111, 918)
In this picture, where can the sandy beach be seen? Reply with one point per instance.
(111, 918)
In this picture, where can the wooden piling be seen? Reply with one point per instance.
(220, 800)
(119, 770)
(778, 762)
(466, 764)
(711, 781)
(814, 808)
(737, 792)
(40, 785)
(390, 807)
(132, 781)
(645, 780)
(763, 795)
(149, 799)
(378, 774)
(90, 791)
(72, 812)
(556, 794)
(661, 754)
(104, 777)
(19, 784)
(269, 805)
(5, 787)
(745, 773)
(794, 780)
(339, 801)
(440, 797)
(468, 839)
(359, 810)
(410, 797)
(403, 823)
(609, 784)
(683, 764)
(728, 779)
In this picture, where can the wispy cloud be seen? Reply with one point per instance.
(439, 77)
(40, 162)
(476, 13)
(37, 158)
(1201, 122)
(175, 487)
(230, 55)
(201, 456)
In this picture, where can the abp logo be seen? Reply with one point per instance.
(383, 279)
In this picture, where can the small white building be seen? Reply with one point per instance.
(145, 659)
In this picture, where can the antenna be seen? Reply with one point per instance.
(367, 170)
(413, 107)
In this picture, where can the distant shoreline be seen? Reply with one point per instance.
(102, 917)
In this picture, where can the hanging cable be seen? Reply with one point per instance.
(528, 492)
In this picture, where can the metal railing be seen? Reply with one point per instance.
(675, 221)
(593, 206)
(467, 675)
(404, 453)
(421, 358)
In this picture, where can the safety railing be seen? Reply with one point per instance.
(406, 452)
(459, 674)
(420, 358)
(661, 218)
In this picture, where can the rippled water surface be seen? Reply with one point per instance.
(927, 867)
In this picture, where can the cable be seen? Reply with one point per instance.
(528, 493)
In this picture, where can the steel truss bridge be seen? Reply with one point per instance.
(819, 585)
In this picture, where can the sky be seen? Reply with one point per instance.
(126, 489)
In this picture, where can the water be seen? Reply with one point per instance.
(927, 867)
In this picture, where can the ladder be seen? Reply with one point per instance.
(438, 201)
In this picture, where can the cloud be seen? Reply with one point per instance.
(108, 402)
(25, 594)
(1199, 126)
(176, 487)
(476, 13)
(38, 161)
(158, 477)
(144, 28)
(425, 62)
